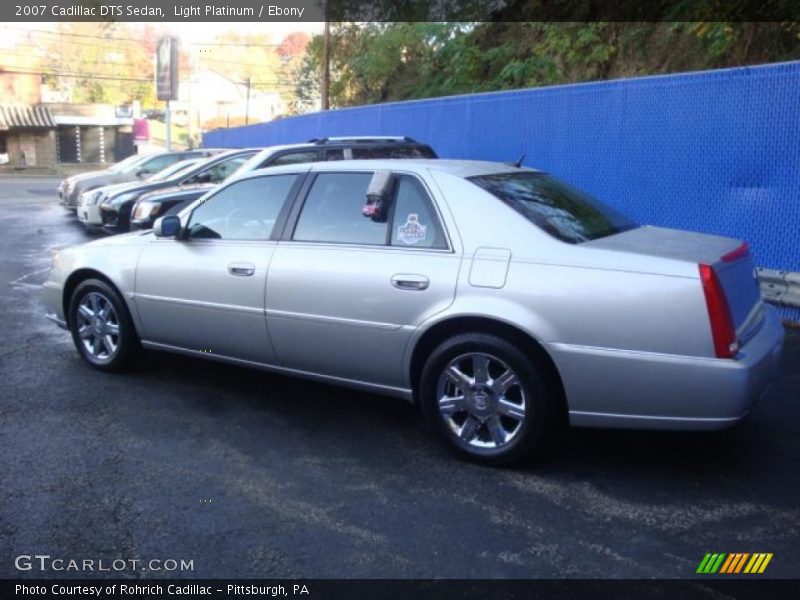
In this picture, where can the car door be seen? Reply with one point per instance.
(205, 291)
(345, 293)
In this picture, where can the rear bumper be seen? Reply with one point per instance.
(639, 390)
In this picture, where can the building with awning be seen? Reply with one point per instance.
(46, 134)
(25, 117)
(92, 133)
(27, 136)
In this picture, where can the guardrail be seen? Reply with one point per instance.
(780, 287)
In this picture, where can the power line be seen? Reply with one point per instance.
(75, 75)
(80, 35)
(19, 70)
(113, 49)
(242, 44)
(125, 39)
(46, 58)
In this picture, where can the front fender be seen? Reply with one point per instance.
(114, 260)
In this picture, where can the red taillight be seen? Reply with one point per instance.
(735, 255)
(719, 314)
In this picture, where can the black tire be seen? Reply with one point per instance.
(98, 356)
(533, 427)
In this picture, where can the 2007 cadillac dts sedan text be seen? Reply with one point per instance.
(504, 302)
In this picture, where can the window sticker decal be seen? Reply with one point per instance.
(412, 231)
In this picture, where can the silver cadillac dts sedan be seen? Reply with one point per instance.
(502, 301)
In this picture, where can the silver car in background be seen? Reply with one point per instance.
(133, 168)
(502, 301)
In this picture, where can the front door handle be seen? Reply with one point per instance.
(241, 269)
(410, 282)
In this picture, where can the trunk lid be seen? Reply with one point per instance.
(729, 258)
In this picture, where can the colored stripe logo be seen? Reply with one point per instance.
(734, 563)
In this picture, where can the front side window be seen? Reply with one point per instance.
(245, 210)
(565, 213)
(332, 212)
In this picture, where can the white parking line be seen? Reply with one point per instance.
(20, 282)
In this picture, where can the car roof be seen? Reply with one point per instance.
(459, 168)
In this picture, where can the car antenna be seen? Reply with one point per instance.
(518, 163)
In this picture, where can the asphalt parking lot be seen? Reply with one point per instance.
(253, 475)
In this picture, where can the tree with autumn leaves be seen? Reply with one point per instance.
(114, 62)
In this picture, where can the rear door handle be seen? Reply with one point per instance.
(241, 269)
(410, 282)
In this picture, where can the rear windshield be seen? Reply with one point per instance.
(123, 165)
(173, 170)
(568, 214)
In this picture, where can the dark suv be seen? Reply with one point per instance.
(155, 204)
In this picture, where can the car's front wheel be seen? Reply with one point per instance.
(101, 326)
(487, 399)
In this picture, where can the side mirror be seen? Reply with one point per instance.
(168, 226)
(142, 173)
(379, 194)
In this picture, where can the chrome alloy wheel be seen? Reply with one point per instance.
(482, 400)
(98, 327)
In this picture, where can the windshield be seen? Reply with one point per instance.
(128, 162)
(173, 170)
(567, 214)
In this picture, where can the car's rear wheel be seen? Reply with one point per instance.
(101, 326)
(487, 399)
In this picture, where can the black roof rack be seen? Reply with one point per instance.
(363, 140)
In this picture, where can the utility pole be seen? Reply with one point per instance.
(326, 59)
(247, 104)
(168, 126)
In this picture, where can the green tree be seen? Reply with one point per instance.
(379, 62)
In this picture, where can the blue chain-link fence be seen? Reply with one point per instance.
(715, 151)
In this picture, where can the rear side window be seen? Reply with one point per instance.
(332, 212)
(566, 213)
(415, 223)
(334, 154)
(393, 151)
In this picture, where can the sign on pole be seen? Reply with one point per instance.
(167, 68)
